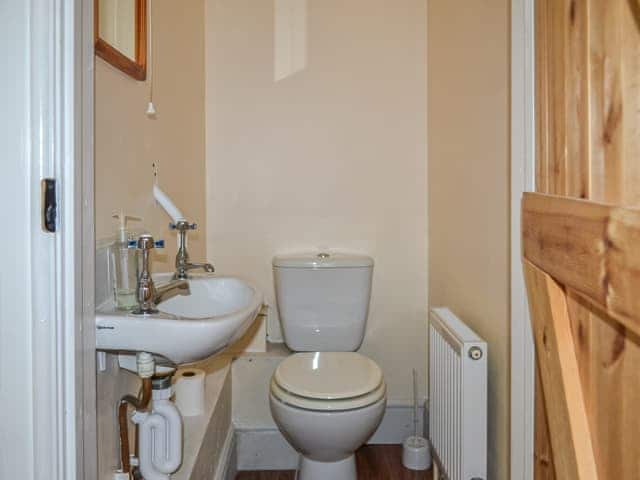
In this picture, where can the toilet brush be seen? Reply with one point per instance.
(415, 449)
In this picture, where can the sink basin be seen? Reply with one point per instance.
(216, 312)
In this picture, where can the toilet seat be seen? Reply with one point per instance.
(327, 405)
(328, 381)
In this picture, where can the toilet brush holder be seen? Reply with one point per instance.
(416, 454)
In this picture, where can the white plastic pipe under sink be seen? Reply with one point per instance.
(160, 438)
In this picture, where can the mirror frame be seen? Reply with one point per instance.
(134, 68)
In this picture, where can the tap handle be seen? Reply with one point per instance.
(145, 242)
(183, 226)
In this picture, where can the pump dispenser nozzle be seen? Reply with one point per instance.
(123, 218)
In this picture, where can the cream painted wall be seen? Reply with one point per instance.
(332, 157)
(468, 186)
(128, 142)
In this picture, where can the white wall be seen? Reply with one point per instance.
(16, 390)
(332, 156)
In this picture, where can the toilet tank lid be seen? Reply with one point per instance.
(322, 260)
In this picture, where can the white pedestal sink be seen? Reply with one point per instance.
(215, 313)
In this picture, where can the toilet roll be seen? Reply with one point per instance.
(189, 388)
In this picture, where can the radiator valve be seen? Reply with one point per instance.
(475, 353)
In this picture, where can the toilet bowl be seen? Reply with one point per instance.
(327, 400)
(327, 405)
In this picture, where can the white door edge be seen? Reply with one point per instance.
(60, 91)
(522, 180)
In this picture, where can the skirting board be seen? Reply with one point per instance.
(266, 448)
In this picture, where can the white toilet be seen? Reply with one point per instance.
(328, 400)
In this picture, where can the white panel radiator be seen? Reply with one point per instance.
(457, 397)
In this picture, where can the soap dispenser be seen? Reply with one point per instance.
(124, 264)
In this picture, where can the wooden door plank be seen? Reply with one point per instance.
(606, 106)
(557, 16)
(542, 94)
(543, 468)
(630, 103)
(615, 100)
(590, 248)
(614, 399)
(582, 321)
(569, 429)
(576, 95)
(565, 238)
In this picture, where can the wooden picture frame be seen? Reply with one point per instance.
(136, 69)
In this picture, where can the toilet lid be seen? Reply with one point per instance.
(328, 375)
(328, 405)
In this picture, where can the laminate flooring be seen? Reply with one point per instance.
(374, 462)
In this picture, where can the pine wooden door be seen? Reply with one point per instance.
(581, 240)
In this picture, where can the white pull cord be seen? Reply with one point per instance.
(151, 109)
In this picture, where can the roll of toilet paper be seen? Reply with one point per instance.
(189, 387)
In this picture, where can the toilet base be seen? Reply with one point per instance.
(314, 470)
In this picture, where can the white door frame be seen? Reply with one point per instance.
(86, 455)
(59, 143)
(522, 180)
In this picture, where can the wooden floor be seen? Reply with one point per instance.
(375, 462)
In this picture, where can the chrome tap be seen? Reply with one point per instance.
(148, 295)
(183, 265)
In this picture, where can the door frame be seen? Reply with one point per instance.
(522, 180)
(60, 146)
